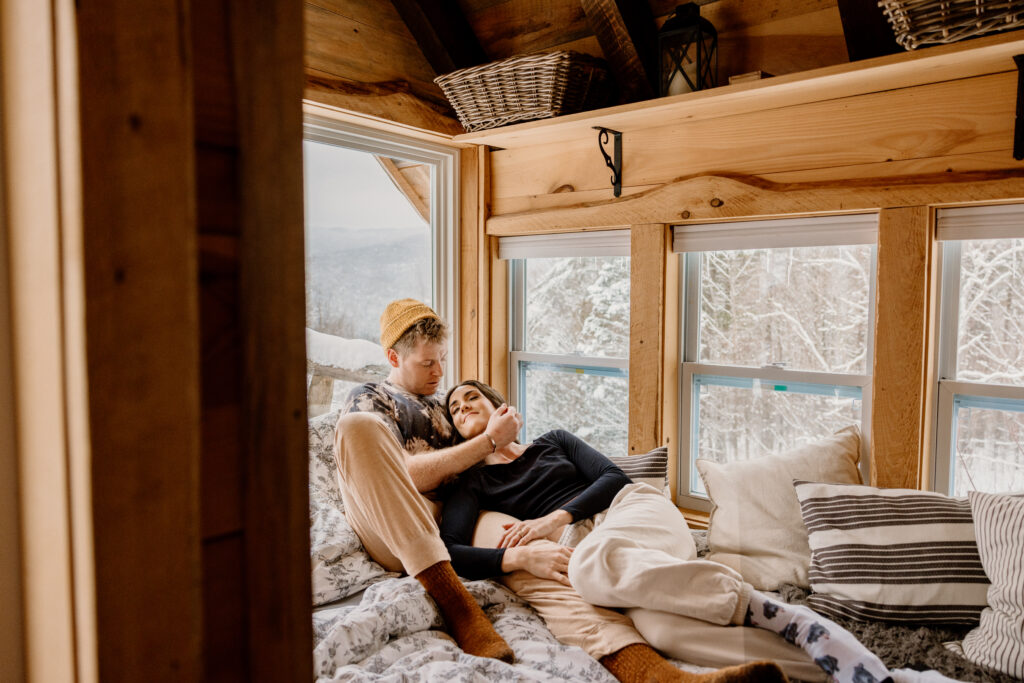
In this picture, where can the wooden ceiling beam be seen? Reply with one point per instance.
(411, 182)
(442, 32)
(628, 36)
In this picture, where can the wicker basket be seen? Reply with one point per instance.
(525, 88)
(927, 22)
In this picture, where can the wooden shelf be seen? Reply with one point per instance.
(993, 54)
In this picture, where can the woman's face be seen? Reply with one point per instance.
(470, 410)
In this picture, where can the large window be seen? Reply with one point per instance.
(777, 323)
(980, 419)
(570, 335)
(379, 227)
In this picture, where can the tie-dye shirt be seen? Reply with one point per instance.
(418, 422)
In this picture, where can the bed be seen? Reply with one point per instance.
(372, 625)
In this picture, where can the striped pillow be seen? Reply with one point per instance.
(649, 468)
(998, 641)
(897, 555)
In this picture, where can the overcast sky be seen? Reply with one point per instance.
(345, 188)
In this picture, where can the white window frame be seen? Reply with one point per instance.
(954, 225)
(517, 250)
(689, 241)
(444, 194)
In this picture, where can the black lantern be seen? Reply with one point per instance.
(687, 52)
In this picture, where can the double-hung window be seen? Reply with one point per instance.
(569, 328)
(979, 436)
(380, 225)
(777, 323)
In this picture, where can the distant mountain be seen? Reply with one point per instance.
(352, 273)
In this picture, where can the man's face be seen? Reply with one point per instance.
(420, 370)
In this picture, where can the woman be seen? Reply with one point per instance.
(642, 555)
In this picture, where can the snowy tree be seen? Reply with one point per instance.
(578, 306)
(797, 309)
(990, 349)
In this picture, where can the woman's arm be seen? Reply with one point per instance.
(606, 479)
(543, 559)
(457, 522)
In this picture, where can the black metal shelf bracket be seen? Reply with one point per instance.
(614, 162)
(1018, 127)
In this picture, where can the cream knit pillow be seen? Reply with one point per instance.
(756, 527)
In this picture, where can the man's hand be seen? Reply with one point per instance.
(504, 425)
(543, 559)
(521, 533)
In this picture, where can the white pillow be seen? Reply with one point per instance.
(755, 525)
(998, 642)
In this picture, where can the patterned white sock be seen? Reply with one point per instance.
(832, 647)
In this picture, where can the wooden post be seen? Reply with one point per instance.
(904, 322)
(471, 234)
(267, 50)
(142, 326)
(647, 249)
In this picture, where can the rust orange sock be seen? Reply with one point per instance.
(640, 663)
(464, 619)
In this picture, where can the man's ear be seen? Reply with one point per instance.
(392, 357)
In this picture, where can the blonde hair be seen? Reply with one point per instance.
(432, 330)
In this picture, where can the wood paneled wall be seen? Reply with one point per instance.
(360, 56)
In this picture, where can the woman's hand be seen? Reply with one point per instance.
(521, 533)
(543, 559)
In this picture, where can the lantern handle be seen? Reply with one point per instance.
(615, 164)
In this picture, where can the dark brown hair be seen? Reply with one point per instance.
(489, 392)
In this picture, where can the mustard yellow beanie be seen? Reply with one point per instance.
(399, 316)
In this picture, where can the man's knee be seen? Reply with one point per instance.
(360, 435)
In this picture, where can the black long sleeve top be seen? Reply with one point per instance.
(557, 471)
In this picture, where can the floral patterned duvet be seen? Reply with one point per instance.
(395, 634)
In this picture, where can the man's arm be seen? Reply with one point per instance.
(432, 468)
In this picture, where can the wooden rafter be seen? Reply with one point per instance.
(413, 180)
(442, 33)
(626, 31)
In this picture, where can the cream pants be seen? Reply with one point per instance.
(642, 557)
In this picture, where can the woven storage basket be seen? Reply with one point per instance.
(927, 22)
(525, 88)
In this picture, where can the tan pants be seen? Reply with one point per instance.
(393, 520)
(397, 527)
(572, 620)
(642, 556)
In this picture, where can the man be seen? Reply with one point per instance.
(393, 441)
(393, 444)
